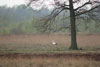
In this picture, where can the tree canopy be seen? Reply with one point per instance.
(75, 7)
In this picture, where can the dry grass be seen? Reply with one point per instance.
(34, 43)
(45, 39)
(48, 62)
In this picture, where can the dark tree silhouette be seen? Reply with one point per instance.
(75, 7)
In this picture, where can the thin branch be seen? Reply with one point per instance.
(61, 28)
(48, 20)
(82, 6)
(64, 6)
(31, 2)
(87, 10)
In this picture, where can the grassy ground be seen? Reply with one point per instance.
(38, 43)
(48, 62)
(42, 44)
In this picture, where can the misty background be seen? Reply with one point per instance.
(24, 20)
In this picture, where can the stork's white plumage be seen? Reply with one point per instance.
(53, 42)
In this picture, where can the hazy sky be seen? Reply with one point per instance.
(47, 3)
(11, 3)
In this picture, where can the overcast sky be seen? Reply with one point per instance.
(47, 3)
(11, 3)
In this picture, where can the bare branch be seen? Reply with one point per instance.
(82, 5)
(61, 5)
(48, 20)
(87, 10)
(61, 28)
(30, 2)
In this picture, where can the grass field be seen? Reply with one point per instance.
(32, 43)
(48, 62)
(38, 51)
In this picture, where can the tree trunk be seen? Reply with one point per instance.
(73, 27)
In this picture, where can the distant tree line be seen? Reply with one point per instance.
(23, 20)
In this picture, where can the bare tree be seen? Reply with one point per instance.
(75, 7)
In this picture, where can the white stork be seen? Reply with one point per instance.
(53, 42)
